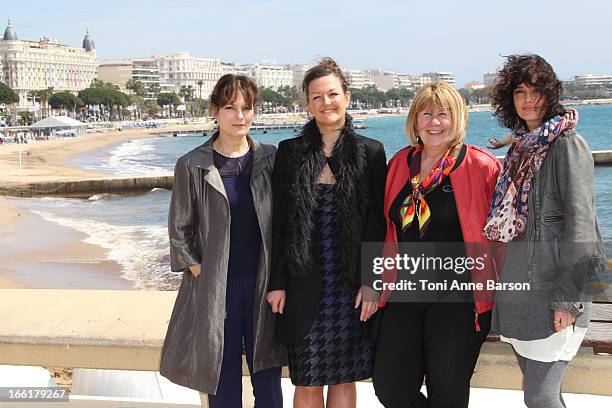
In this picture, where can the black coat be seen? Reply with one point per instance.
(359, 167)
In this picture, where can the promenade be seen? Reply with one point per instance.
(124, 330)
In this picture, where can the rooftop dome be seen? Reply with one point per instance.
(9, 33)
(88, 43)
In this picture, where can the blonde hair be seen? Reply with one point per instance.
(442, 95)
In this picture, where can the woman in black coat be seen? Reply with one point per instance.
(328, 198)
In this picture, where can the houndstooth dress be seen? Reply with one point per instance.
(337, 348)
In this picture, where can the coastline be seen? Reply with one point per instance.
(40, 254)
(46, 160)
(37, 253)
(52, 160)
(8, 214)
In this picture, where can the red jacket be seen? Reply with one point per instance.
(473, 184)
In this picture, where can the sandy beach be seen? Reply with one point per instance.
(8, 215)
(46, 160)
(39, 254)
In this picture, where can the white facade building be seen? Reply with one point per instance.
(264, 75)
(590, 80)
(418, 81)
(272, 76)
(229, 68)
(356, 78)
(182, 69)
(144, 70)
(404, 81)
(431, 77)
(33, 65)
(298, 71)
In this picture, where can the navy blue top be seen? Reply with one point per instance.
(245, 235)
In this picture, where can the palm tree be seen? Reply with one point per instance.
(136, 87)
(44, 96)
(200, 83)
(186, 93)
(153, 90)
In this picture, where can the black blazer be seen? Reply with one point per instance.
(359, 166)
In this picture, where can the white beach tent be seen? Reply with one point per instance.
(58, 123)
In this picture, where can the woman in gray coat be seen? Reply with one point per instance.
(220, 233)
(544, 209)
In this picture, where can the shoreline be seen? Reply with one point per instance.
(47, 160)
(40, 254)
(8, 214)
(55, 256)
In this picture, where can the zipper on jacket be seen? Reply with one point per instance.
(476, 320)
(536, 210)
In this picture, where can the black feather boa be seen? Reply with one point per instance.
(348, 163)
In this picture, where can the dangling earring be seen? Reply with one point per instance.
(417, 138)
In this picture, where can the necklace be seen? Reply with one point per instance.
(233, 155)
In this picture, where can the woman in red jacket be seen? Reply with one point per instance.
(437, 193)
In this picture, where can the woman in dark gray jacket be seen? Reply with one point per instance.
(220, 230)
(544, 208)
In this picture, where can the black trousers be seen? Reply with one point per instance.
(437, 342)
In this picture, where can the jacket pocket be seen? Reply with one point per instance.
(551, 218)
(549, 264)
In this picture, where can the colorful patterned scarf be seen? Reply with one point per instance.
(415, 203)
(508, 213)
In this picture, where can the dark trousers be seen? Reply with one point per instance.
(437, 342)
(238, 337)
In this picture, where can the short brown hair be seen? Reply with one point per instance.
(442, 95)
(227, 87)
(326, 66)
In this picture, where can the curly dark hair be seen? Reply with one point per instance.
(326, 66)
(532, 70)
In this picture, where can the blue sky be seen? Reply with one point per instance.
(465, 37)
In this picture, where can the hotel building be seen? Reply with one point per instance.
(33, 65)
(144, 70)
(356, 78)
(590, 80)
(297, 73)
(431, 77)
(182, 69)
(265, 75)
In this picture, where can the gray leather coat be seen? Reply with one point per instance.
(199, 229)
(562, 253)
(564, 244)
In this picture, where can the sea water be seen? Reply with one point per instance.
(134, 228)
